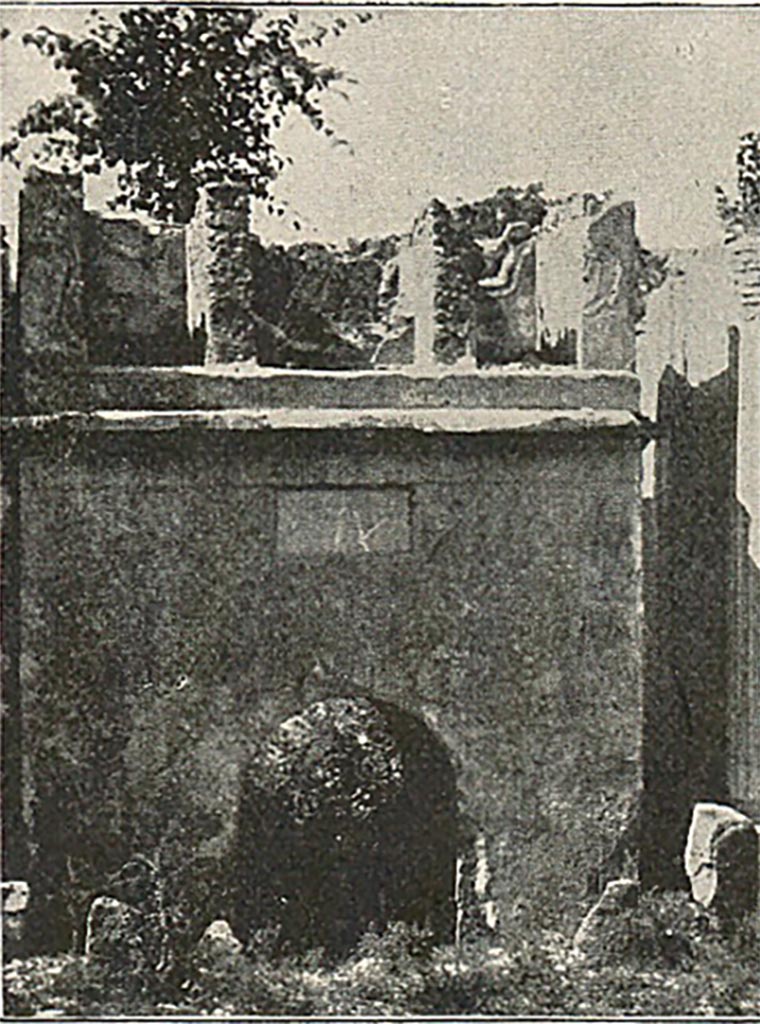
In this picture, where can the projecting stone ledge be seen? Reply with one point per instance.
(426, 421)
(507, 388)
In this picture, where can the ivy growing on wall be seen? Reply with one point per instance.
(744, 210)
(462, 305)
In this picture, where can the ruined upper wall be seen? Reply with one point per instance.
(135, 293)
(92, 291)
(490, 283)
(480, 284)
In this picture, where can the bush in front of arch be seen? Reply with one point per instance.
(346, 819)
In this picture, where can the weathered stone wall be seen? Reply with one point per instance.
(134, 299)
(52, 329)
(182, 594)
(686, 330)
(92, 291)
(499, 388)
(744, 696)
(691, 683)
(751, 623)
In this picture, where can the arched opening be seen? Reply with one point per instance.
(347, 818)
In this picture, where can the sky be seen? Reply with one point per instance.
(455, 103)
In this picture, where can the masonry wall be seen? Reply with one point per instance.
(716, 430)
(691, 716)
(172, 616)
(134, 293)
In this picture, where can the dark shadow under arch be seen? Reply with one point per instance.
(323, 883)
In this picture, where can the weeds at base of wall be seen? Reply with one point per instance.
(399, 973)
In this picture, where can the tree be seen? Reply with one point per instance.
(744, 211)
(174, 97)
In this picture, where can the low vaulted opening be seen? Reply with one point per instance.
(347, 820)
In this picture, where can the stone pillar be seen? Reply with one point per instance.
(753, 661)
(612, 301)
(15, 906)
(740, 721)
(10, 355)
(419, 271)
(745, 264)
(560, 246)
(220, 277)
(52, 330)
(15, 851)
(588, 290)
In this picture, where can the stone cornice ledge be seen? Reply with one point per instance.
(212, 388)
(426, 421)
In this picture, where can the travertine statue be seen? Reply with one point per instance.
(512, 246)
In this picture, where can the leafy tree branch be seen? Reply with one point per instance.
(171, 98)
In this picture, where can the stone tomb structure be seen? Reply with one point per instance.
(200, 553)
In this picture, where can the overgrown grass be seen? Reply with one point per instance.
(663, 959)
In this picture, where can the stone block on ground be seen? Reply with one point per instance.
(15, 897)
(114, 932)
(593, 932)
(721, 861)
(736, 868)
(15, 904)
(218, 940)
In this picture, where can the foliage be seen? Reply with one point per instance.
(663, 931)
(346, 817)
(652, 270)
(399, 973)
(326, 302)
(175, 97)
(338, 751)
(314, 803)
(73, 984)
(744, 211)
(748, 175)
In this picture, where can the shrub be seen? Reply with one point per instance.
(400, 972)
(662, 931)
(74, 984)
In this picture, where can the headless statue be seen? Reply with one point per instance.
(509, 250)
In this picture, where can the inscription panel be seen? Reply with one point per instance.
(343, 520)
